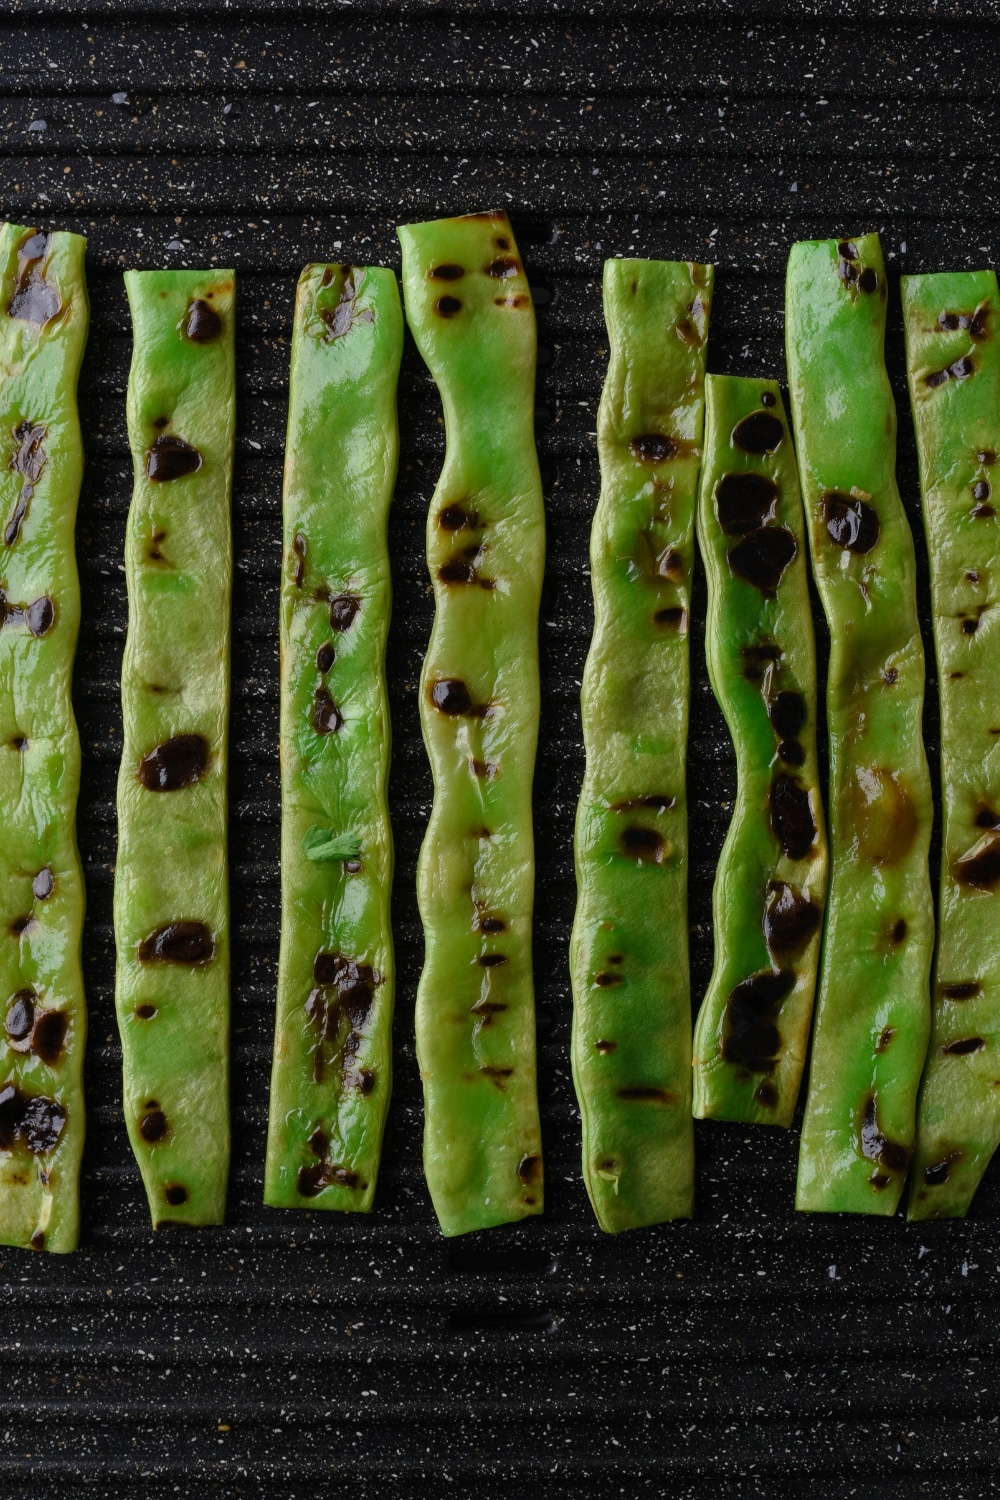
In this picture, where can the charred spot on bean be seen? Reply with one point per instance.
(529, 1169)
(760, 432)
(890, 676)
(744, 502)
(153, 552)
(21, 924)
(868, 280)
(762, 557)
(38, 1240)
(145, 1012)
(768, 398)
(171, 458)
(970, 624)
(202, 324)
(966, 989)
(299, 548)
(975, 324)
(875, 1146)
(496, 1075)
(40, 615)
(485, 1010)
(343, 610)
(34, 299)
(48, 1035)
(767, 1095)
(898, 932)
(791, 753)
(319, 1142)
(492, 960)
(644, 845)
(750, 1038)
(757, 659)
(605, 980)
(885, 1037)
(450, 695)
(645, 1093)
(673, 617)
(980, 868)
(457, 518)
(981, 489)
(175, 1194)
(310, 1180)
(503, 267)
(325, 658)
(792, 820)
(447, 272)
(20, 1018)
(982, 512)
(605, 1047)
(341, 319)
(447, 307)
(362, 1079)
(986, 456)
(153, 1127)
(963, 1046)
(938, 1172)
(28, 460)
(787, 713)
(34, 1120)
(653, 447)
(492, 924)
(175, 763)
(461, 571)
(326, 716)
(960, 370)
(189, 943)
(670, 564)
(659, 801)
(43, 884)
(790, 919)
(352, 866)
(851, 523)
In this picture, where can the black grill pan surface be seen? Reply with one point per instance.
(749, 1352)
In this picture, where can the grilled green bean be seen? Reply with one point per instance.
(952, 325)
(873, 1005)
(471, 314)
(629, 953)
(753, 1027)
(333, 1041)
(43, 330)
(171, 886)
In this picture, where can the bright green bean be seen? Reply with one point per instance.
(952, 324)
(171, 884)
(471, 314)
(332, 1069)
(753, 1027)
(43, 330)
(629, 953)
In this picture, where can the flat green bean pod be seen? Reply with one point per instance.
(952, 325)
(753, 1027)
(873, 1002)
(332, 1070)
(171, 904)
(43, 330)
(471, 314)
(629, 951)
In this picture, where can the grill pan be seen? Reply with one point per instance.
(748, 1352)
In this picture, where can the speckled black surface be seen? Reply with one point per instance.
(747, 1352)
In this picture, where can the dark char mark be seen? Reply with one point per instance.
(791, 816)
(34, 1120)
(447, 307)
(457, 518)
(790, 919)
(975, 324)
(343, 611)
(175, 763)
(750, 1038)
(966, 989)
(188, 943)
(448, 272)
(450, 695)
(175, 1194)
(20, 1017)
(202, 324)
(29, 460)
(960, 370)
(326, 716)
(653, 447)
(787, 713)
(153, 1126)
(34, 300)
(981, 870)
(762, 557)
(325, 657)
(342, 318)
(743, 502)
(852, 524)
(48, 1035)
(171, 458)
(962, 1047)
(646, 1093)
(876, 1147)
(299, 548)
(938, 1172)
(757, 659)
(760, 432)
(644, 845)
